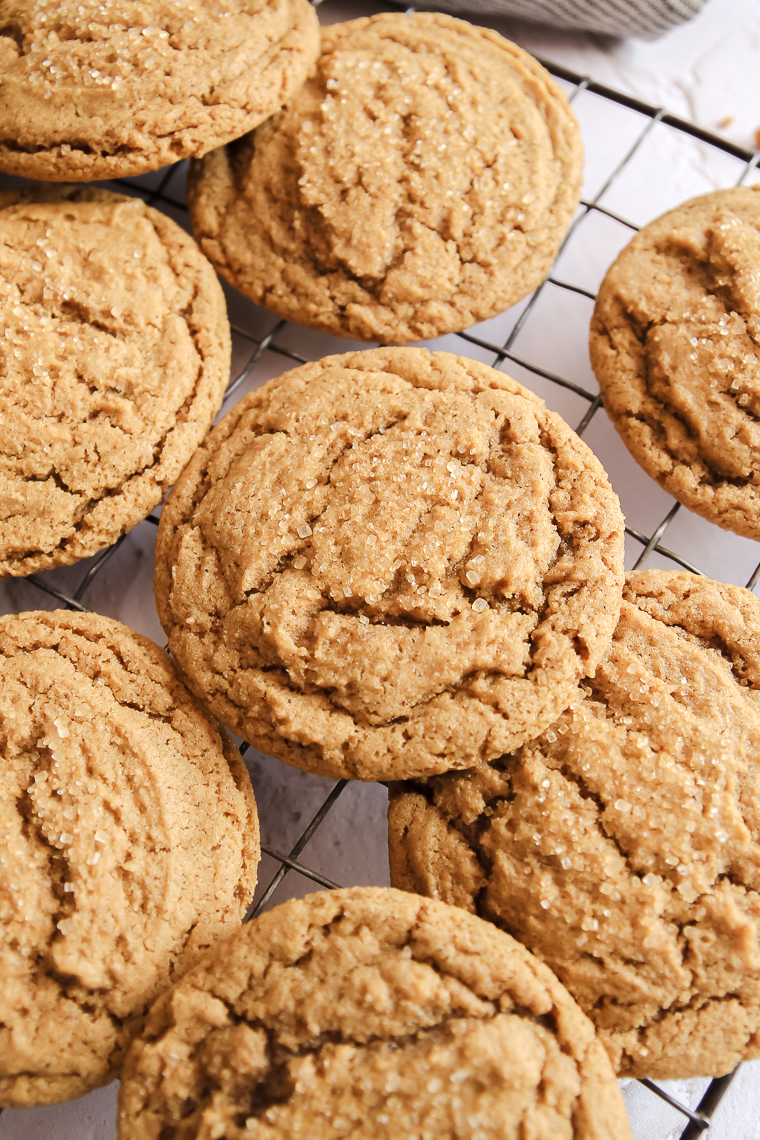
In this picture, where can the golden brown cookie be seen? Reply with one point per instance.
(421, 181)
(675, 344)
(369, 1012)
(113, 363)
(389, 563)
(130, 844)
(92, 91)
(623, 846)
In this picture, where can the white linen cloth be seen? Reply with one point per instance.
(645, 18)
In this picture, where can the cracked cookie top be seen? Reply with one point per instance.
(104, 88)
(130, 844)
(368, 1012)
(623, 846)
(675, 344)
(420, 181)
(389, 563)
(113, 363)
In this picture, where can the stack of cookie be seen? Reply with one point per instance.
(408, 566)
(130, 828)
(131, 825)
(387, 565)
(371, 206)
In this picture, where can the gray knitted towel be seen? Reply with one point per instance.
(647, 18)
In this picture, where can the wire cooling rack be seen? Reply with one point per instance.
(617, 130)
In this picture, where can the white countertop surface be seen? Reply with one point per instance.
(705, 71)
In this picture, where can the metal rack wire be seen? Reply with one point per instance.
(262, 342)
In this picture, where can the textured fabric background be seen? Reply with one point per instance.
(647, 18)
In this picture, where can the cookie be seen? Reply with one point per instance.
(389, 562)
(114, 362)
(130, 846)
(369, 1012)
(421, 181)
(92, 91)
(675, 345)
(623, 846)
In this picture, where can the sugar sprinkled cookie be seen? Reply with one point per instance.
(389, 562)
(130, 844)
(113, 363)
(106, 88)
(420, 181)
(369, 1012)
(675, 344)
(623, 846)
